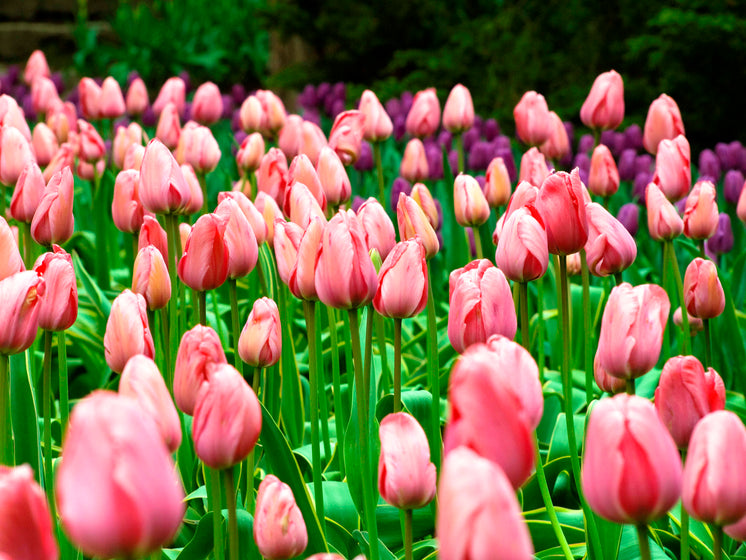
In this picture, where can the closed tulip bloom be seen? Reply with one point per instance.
(532, 122)
(127, 211)
(423, 118)
(15, 153)
(26, 530)
(478, 513)
(424, 198)
(561, 205)
(133, 157)
(695, 324)
(607, 383)
(10, 257)
(603, 178)
(713, 490)
(412, 221)
(737, 530)
(379, 229)
(21, 293)
(252, 214)
(272, 175)
(260, 343)
(150, 277)
(346, 135)
(89, 93)
(533, 167)
(197, 147)
(603, 109)
(469, 204)
(137, 98)
(227, 419)
(127, 331)
(88, 171)
(239, 239)
(497, 187)
(163, 189)
(207, 105)
(662, 123)
(378, 125)
(204, 264)
(173, 91)
(27, 194)
(44, 143)
(112, 104)
(250, 153)
(195, 189)
(36, 66)
(200, 351)
(345, 275)
(279, 529)
(703, 292)
(290, 138)
(286, 242)
(61, 119)
(481, 305)
(302, 205)
(53, 220)
(142, 382)
(414, 165)
(168, 130)
(58, 308)
(685, 394)
(312, 140)
(458, 112)
(673, 168)
(402, 281)
(91, 147)
(610, 247)
(334, 180)
(151, 233)
(125, 137)
(43, 95)
(65, 157)
(12, 115)
(118, 492)
(302, 279)
(522, 252)
(632, 329)
(406, 477)
(664, 222)
(252, 116)
(557, 145)
(302, 171)
(274, 112)
(701, 212)
(631, 468)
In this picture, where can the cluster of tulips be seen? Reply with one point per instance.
(201, 416)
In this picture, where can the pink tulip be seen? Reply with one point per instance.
(255, 218)
(200, 352)
(695, 324)
(302, 171)
(207, 105)
(150, 277)
(239, 239)
(701, 212)
(43, 94)
(347, 135)
(252, 116)
(10, 257)
(673, 168)
(458, 112)
(312, 140)
(44, 143)
(301, 281)
(603, 109)
(532, 123)
(151, 233)
(137, 98)
(27, 194)
(260, 343)
(12, 115)
(469, 204)
(53, 220)
(481, 305)
(424, 199)
(632, 329)
(557, 145)
(272, 175)
(62, 119)
(127, 331)
(478, 513)
(133, 157)
(402, 281)
(287, 238)
(497, 185)
(22, 293)
(413, 221)
(125, 137)
(36, 66)
(631, 468)
(423, 118)
(195, 189)
(662, 123)
(279, 529)
(685, 394)
(607, 383)
(522, 252)
(378, 125)
(273, 111)
(713, 491)
(172, 91)
(58, 308)
(302, 205)
(15, 153)
(89, 93)
(533, 167)
(664, 222)
(227, 419)
(379, 230)
(65, 157)
(204, 264)
(142, 382)
(603, 179)
(561, 205)
(703, 292)
(89, 171)
(118, 492)
(267, 206)
(414, 166)
(26, 529)
(333, 177)
(406, 477)
(127, 211)
(197, 147)
(610, 247)
(168, 130)
(91, 148)
(290, 138)
(112, 104)
(163, 189)
(345, 275)
(249, 155)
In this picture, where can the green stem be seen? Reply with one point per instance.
(6, 430)
(230, 496)
(321, 386)
(523, 304)
(588, 342)
(630, 386)
(362, 420)
(684, 524)
(167, 374)
(468, 245)
(408, 534)
(233, 294)
(664, 283)
(397, 364)
(252, 181)
(217, 514)
(250, 464)
(433, 371)
(339, 416)
(100, 221)
(702, 249)
(202, 304)
(379, 171)
(349, 373)
(547, 498)
(717, 541)
(318, 493)
(680, 290)
(478, 242)
(642, 537)
(708, 342)
(62, 372)
(28, 248)
(381, 336)
(368, 356)
(540, 325)
(47, 408)
(203, 184)
(617, 277)
(460, 150)
(174, 241)
(3, 200)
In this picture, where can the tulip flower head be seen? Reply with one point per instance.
(603, 109)
(402, 281)
(200, 352)
(279, 530)
(127, 331)
(532, 122)
(703, 292)
(662, 123)
(260, 343)
(423, 118)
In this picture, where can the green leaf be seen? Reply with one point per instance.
(24, 414)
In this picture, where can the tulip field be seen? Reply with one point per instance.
(240, 326)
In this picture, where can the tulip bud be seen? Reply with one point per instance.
(312, 141)
(414, 166)
(12, 115)
(703, 292)
(406, 477)
(607, 383)
(43, 95)
(112, 104)
(302, 205)
(65, 157)
(532, 122)
(204, 264)
(21, 293)
(10, 257)
(273, 111)
(423, 118)
(604, 107)
(469, 204)
(701, 212)
(142, 382)
(610, 247)
(89, 94)
(127, 331)
(125, 137)
(378, 125)
(279, 529)
(127, 211)
(272, 175)
(522, 252)
(227, 419)
(629, 217)
(53, 220)
(27, 194)
(402, 281)
(664, 222)
(301, 280)
(58, 308)
(662, 123)
(207, 105)
(497, 183)
(302, 171)
(36, 66)
(133, 157)
(270, 212)
(260, 343)
(533, 167)
(200, 351)
(239, 238)
(44, 143)
(150, 277)
(379, 230)
(163, 189)
(198, 147)
(334, 180)
(603, 179)
(172, 91)
(560, 203)
(413, 221)
(168, 130)
(15, 153)
(151, 233)
(458, 112)
(557, 145)
(346, 135)
(290, 138)
(250, 154)
(137, 98)
(254, 217)
(421, 194)
(732, 185)
(631, 468)
(695, 324)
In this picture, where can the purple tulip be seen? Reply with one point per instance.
(491, 129)
(644, 164)
(453, 162)
(479, 156)
(393, 108)
(608, 139)
(407, 98)
(434, 155)
(365, 159)
(238, 93)
(357, 202)
(149, 118)
(633, 137)
(642, 180)
(629, 216)
(585, 144)
(227, 106)
(570, 129)
(400, 185)
(58, 81)
(307, 98)
(722, 241)
(400, 127)
(503, 142)
(709, 165)
(507, 155)
(724, 155)
(732, 185)
(470, 138)
(445, 139)
(626, 165)
(583, 163)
